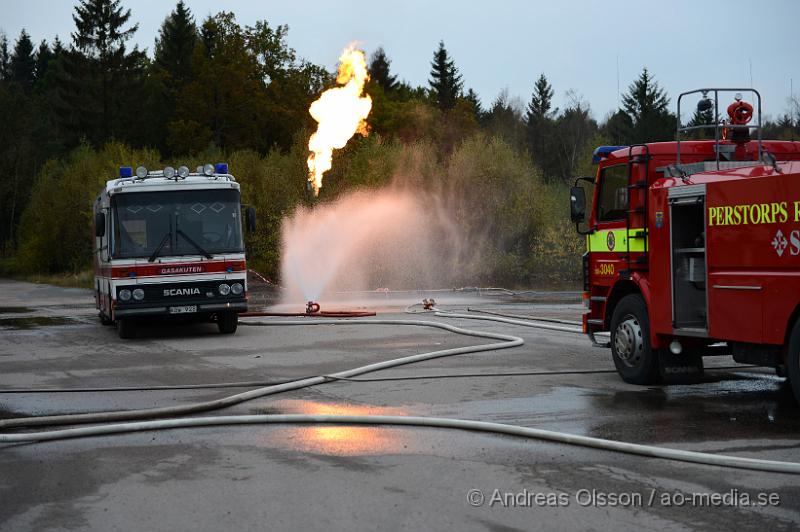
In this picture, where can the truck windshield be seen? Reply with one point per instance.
(181, 222)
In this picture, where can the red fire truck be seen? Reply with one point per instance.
(694, 248)
(168, 244)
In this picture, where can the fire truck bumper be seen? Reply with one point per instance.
(236, 305)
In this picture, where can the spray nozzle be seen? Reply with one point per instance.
(312, 307)
(429, 304)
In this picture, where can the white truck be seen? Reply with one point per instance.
(168, 244)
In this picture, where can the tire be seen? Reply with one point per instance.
(793, 360)
(227, 322)
(635, 360)
(126, 328)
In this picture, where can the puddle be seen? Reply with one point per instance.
(32, 322)
(15, 310)
(339, 440)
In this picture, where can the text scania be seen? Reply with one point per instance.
(754, 213)
(182, 292)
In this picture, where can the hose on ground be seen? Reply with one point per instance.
(546, 326)
(525, 316)
(417, 421)
(506, 341)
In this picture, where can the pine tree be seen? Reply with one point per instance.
(103, 79)
(702, 118)
(445, 81)
(22, 65)
(539, 125)
(541, 102)
(646, 104)
(472, 97)
(44, 55)
(379, 70)
(5, 58)
(175, 43)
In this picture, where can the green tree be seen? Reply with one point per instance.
(646, 104)
(472, 97)
(445, 81)
(22, 65)
(5, 58)
(101, 79)
(44, 55)
(225, 114)
(541, 105)
(289, 85)
(504, 120)
(574, 128)
(175, 43)
(169, 72)
(702, 118)
(380, 71)
(618, 128)
(539, 124)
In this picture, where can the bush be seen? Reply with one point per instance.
(513, 229)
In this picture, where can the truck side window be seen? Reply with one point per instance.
(613, 200)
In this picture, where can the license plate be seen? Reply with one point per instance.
(183, 310)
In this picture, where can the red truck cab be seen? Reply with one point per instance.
(693, 249)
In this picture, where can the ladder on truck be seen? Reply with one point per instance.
(637, 233)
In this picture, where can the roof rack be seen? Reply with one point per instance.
(718, 148)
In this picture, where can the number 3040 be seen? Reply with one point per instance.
(606, 269)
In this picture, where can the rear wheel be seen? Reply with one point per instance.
(126, 328)
(793, 360)
(635, 360)
(227, 322)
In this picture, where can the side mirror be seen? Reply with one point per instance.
(99, 224)
(250, 219)
(577, 204)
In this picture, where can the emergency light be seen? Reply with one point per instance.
(601, 152)
(221, 168)
(125, 171)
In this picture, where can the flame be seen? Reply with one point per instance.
(341, 112)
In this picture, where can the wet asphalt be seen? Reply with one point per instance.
(303, 477)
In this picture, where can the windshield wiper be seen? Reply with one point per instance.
(195, 244)
(164, 240)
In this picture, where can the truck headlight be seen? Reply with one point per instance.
(224, 289)
(125, 295)
(237, 289)
(138, 294)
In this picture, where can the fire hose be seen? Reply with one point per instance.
(507, 341)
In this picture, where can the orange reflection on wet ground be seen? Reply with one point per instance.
(341, 440)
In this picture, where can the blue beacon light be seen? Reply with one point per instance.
(126, 171)
(221, 168)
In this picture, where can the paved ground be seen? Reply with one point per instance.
(368, 478)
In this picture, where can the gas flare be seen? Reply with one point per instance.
(341, 112)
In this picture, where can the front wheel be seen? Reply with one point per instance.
(227, 322)
(126, 328)
(635, 360)
(793, 360)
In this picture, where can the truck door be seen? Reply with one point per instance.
(608, 244)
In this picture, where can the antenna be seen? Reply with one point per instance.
(619, 101)
(750, 61)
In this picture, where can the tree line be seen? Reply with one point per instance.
(216, 87)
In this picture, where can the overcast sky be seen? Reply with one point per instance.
(499, 44)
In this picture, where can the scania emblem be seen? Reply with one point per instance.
(182, 292)
(610, 241)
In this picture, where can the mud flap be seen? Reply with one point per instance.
(684, 368)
